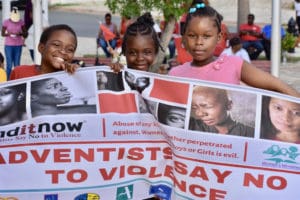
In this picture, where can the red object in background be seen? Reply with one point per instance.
(182, 55)
(222, 44)
(108, 35)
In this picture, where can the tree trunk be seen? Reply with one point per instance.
(243, 11)
(164, 41)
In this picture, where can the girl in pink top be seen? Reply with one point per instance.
(201, 34)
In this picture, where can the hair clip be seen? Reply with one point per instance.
(197, 6)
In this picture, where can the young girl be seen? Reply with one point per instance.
(140, 44)
(280, 120)
(57, 47)
(201, 34)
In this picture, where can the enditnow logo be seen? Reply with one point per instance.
(58, 127)
(282, 155)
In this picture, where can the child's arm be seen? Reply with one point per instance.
(115, 65)
(257, 78)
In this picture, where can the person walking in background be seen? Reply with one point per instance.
(251, 37)
(236, 48)
(108, 35)
(14, 31)
(266, 36)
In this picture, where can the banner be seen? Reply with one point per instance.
(139, 135)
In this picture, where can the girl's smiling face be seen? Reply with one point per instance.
(140, 52)
(200, 39)
(285, 115)
(59, 48)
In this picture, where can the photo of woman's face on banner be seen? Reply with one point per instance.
(109, 81)
(173, 116)
(139, 83)
(280, 120)
(220, 111)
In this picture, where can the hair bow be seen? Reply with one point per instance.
(197, 6)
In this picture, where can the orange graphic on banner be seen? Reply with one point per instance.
(118, 103)
(170, 91)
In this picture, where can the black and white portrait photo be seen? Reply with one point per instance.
(12, 104)
(109, 81)
(52, 96)
(170, 115)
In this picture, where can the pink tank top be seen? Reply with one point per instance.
(226, 69)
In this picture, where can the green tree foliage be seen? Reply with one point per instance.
(134, 8)
(288, 42)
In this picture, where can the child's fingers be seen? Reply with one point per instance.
(116, 67)
(70, 67)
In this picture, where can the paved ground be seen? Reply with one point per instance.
(289, 72)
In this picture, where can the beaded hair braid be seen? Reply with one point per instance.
(142, 26)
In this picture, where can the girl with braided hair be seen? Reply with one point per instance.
(201, 35)
(140, 45)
